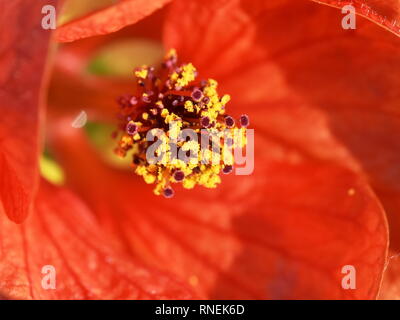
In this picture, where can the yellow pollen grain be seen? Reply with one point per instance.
(126, 140)
(189, 106)
(159, 104)
(213, 83)
(189, 183)
(175, 127)
(171, 54)
(172, 117)
(191, 145)
(174, 76)
(142, 73)
(187, 75)
(51, 170)
(149, 178)
(225, 99)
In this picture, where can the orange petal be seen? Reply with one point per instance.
(386, 13)
(284, 232)
(108, 20)
(62, 239)
(329, 92)
(22, 67)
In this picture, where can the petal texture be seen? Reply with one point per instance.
(62, 234)
(288, 230)
(22, 67)
(284, 232)
(108, 20)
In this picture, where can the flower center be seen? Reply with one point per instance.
(186, 117)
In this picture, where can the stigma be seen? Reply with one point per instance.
(176, 129)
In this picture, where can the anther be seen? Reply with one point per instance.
(197, 94)
(244, 120)
(179, 175)
(168, 192)
(227, 169)
(131, 128)
(205, 122)
(229, 121)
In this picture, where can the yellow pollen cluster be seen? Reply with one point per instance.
(142, 73)
(185, 76)
(155, 123)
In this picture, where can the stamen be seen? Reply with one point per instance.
(131, 128)
(244, 121)
(229, 121)
(227, 169)
(171, 99)
(197, 94)
(168, 192)
(205, 122)
(179, 175)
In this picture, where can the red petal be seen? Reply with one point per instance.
(97, 95)
(108, 20)
(329, 92)
(22, 66)
(61, 233)
(284, 232)
(390, 289)
(256, 236)
(386, 13)
(73, 88)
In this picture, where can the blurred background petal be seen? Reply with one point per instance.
(304, 81)
(113, 17)
(22, 78)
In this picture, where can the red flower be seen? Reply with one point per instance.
(323, 102)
